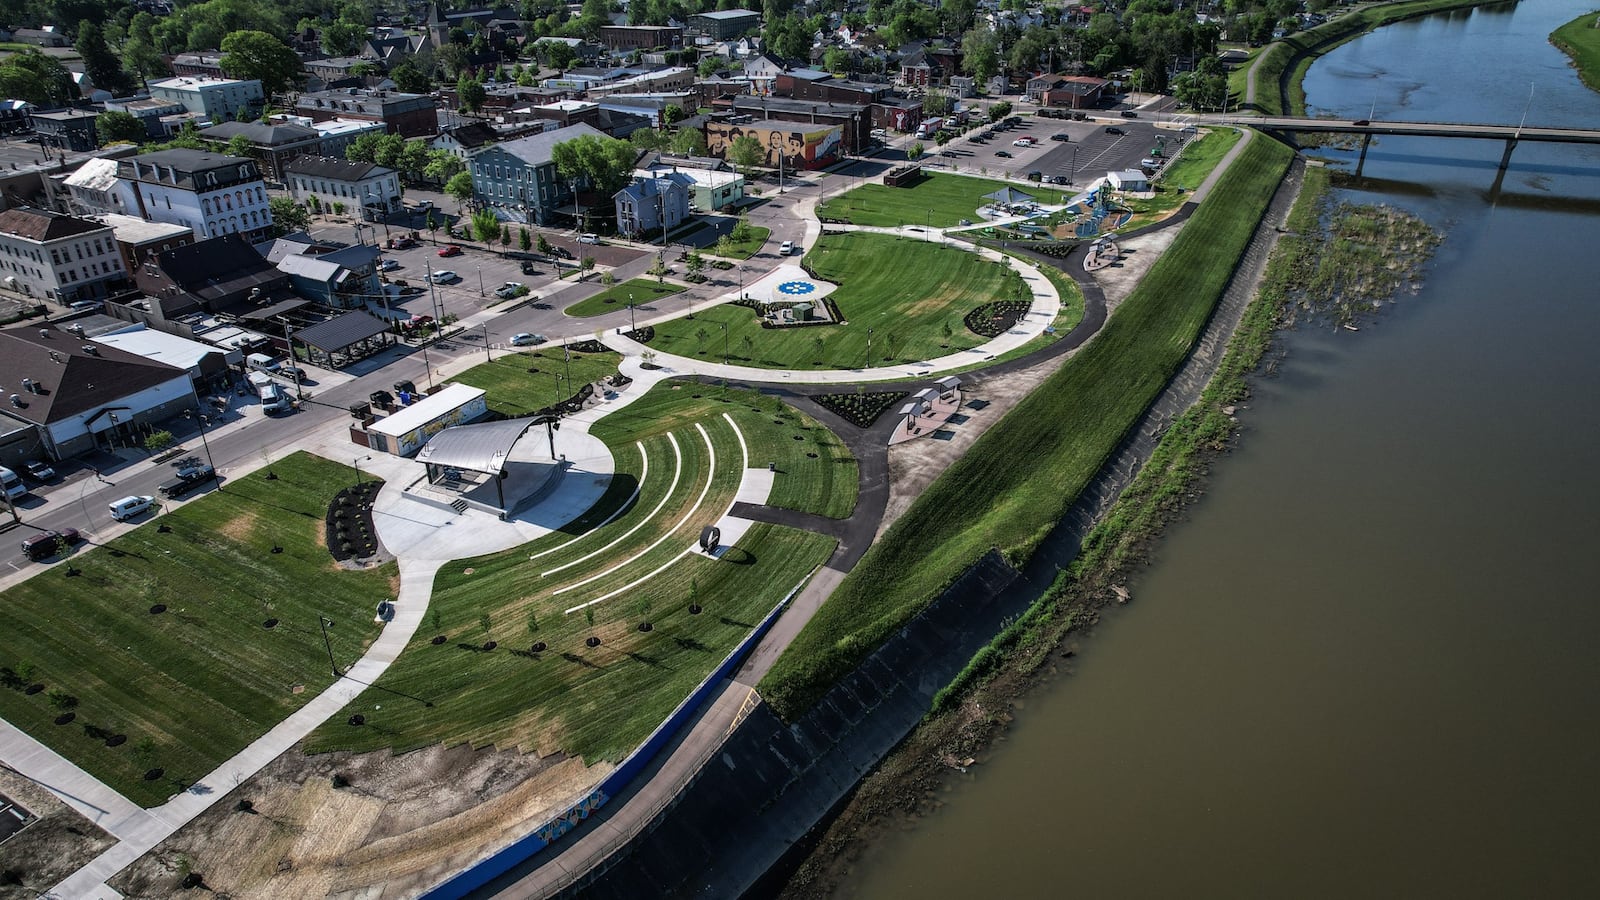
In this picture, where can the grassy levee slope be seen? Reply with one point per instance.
(1283, 64)
(599, 702)
(1019, 478)
(909, 292)
(191, 686)
(1580, 39)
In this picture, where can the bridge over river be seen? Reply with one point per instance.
(1510, 134)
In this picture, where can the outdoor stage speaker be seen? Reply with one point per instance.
(710, 538)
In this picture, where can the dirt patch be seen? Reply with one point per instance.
(50, 848)
(240, 527)
(1138, 255)
(370, 824)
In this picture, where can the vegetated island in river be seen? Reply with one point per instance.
(1580, 39)
(1330, 263)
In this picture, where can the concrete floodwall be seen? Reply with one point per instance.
(772, 781)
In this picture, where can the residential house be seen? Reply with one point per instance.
(55, 257)
(149, 111)
(272, 144)
(217, 99)
(652, 201)
(82, 396)
(338, 276)
(711, 188)
(372, 188)
(94, 189)
(518, 179)
(210, 193)
(411, 115)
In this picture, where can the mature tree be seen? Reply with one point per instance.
(442, 166)
(383, 149)
(287, 216)
(409, 77)
(343, 38)
(117, 125)
(99, 63)
(460, 187)
(958, 15)
(413, 160)
(837, 60)
(788, 38)
(139, 51)
(485, 227)
(650, 139)
(239, 145)
(711, 65)
(745, 153)
(470, 93)
(36, 78)
(605, 162)
(256, 54)
(998, 111)
(689, 142)
(525, 240)
(558, 55)
(980, 54)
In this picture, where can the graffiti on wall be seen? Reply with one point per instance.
(570, 819)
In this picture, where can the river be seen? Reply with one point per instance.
(1364, 665)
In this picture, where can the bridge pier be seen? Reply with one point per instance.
(1505, 158)
(1366, 141)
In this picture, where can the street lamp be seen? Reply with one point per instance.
(429, 366)
(327, 623)
(724, 342)
(558, 390)
(358, 467)
(632, 328)
(203, 419)
(480, 281)
(869, 348)
(486, 354)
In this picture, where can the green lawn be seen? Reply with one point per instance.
(520, 384)
(1580, 39)
(1199, 158)
(598, 703)
(193, 685)
(942, 199)
(992, 497)
(748, 247)
(907, 303)
(641, 291)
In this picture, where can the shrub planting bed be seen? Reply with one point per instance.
(994, 319)
(860, 410)
(348, 526)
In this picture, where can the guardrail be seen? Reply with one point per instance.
(523, 849)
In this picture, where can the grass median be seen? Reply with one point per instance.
(911, 294)
(938, 199)
(182, 690)
(638, 291)
(1009, 490)
(520, 384)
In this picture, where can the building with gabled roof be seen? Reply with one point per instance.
(60, 258)
(273, 144)
(372, 188)
(652, 201)
(518, 179)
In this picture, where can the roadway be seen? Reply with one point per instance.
(1418, 129)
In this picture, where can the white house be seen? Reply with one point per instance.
(655, 200)
(54, 257)
(369, 186)
(218, 99)
(209, 193)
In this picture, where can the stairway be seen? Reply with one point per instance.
(460, 506)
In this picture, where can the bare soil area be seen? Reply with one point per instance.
(49, 848)
(1138, 254)
(365, 825)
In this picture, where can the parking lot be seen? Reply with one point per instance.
(1089, 153)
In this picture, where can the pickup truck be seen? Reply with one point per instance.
(189, 477)
(273, 398)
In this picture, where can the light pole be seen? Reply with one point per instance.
(327, 623)
(288, 343)
(480, 281)
(869, 349)
(202, 418)
(486, 354)
(358, 467)
(557, 402)
(741, 281)
(429, 367)
(632, 328)
(433, 294)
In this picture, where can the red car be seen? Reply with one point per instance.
(451, 250)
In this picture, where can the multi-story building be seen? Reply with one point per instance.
(518, 179)
(218, 99)
(653, 201)
(69, 129)
(274, 145)
(640, 37)
(854, 118)
(724, 24)
(372, 188)
(466, 140)
(785, 144)
(207, 64)
(138, 240)
(210, 193)
(55, 257)
(411, 115)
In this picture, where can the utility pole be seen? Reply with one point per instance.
(327, 623)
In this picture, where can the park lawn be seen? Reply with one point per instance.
(597, 703)
(746, 248)
(1580, 39)
(521, 384)
(194, 685)
(641, 291)
(1199, 158)
(944, 200)
(907, 304)
(1012, 487)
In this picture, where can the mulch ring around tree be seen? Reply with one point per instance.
(860, 410)
(351, 535)
(994, 319)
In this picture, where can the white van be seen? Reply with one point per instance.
(11, 483)
(130, 506)
(261, 362)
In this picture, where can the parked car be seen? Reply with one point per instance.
(39, 469)
(524, 339)
(1036, 175)
(46, 544)
(1059, 179)
(292, 372)
(450, 250)
(1112, 129)
(445, 276)
(528, 268)
(508, 290)
(1003, 154)
(1022, 142)
(786, 248)
(562, 252)
(132, 505)
(403, 242)
(188, 478)
(1061, 136)
(388, 265)
(589, 238)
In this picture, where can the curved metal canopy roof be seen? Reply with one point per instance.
(478, 448)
